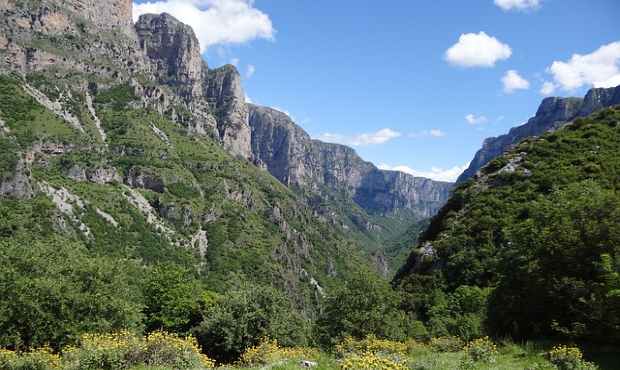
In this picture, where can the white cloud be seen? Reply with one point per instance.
(379, 137)
(600, 68)
(234, 61)
(250, 70)
(518, 4)
(248, 99)
(434, 132)
(473, 119)
(438, 174)
(215, 21)
(477, 50)
(513, 81)
(547, 88)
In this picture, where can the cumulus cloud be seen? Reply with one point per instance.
(477, 50)
(248, 99)
(547, 88)
(473, 119)
(379, 137)
(234, 61)
(436, 173)
(513, 81)
(434, 132)
(517, 4)
(250, 70)
(601, 68)
(215, 21)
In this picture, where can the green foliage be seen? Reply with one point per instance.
(53, 291)
(364, 305)
(569, 358)
(239, 319)
(543, 238)
(172, 299)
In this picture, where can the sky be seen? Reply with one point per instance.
(411, 85)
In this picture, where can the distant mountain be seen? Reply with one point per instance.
(552, 113)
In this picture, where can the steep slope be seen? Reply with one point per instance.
(124, 142)
(539, 227)
(552, 113)
(374, 206)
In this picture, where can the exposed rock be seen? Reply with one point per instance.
(108, 14)
(137, 200)
(552, 113)
(19, 185)
(138, 177)
(97, 175)
(215, 97)
(68, 204)
(294, 158)
(55, 107)
(4, 129)
(93, 113)
(160, 134)
(200, 242)
(107, 217)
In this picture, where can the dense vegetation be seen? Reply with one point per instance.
(531, 248)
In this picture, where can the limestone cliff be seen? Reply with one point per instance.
(295, 159)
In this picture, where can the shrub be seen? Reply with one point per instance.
(371, 344)
(569, 358)
(447, 344)
(372, 361)
(124, 350)
(38, 359)
(269, 351)
(482, 350)
(241, 318)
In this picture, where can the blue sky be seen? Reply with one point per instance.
(413, 85)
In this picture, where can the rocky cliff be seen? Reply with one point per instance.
(288, 152)
(552, 113)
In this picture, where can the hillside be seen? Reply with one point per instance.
(552, 113)
(535, 234)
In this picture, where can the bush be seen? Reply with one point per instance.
(371, 345)
(569, 358)
(39, 359)
(124, 350)
(269, 351)
(372, 361)
(447, 344)
(243, 317)
(482, 350)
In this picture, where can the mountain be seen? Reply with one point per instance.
(530, 245)
(120, 138)
(121, 141)
(552, 113)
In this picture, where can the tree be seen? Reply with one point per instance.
(53, 291)
(364, 305)
(241, 318)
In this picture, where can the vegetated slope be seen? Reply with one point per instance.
(123, 161)
(552, 113)
(539, 231)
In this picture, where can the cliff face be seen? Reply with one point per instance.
(295, 159)
(552, 113)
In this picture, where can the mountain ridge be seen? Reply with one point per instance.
(551, 114)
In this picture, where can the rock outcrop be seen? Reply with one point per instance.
(291, 156)
(552, 113)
